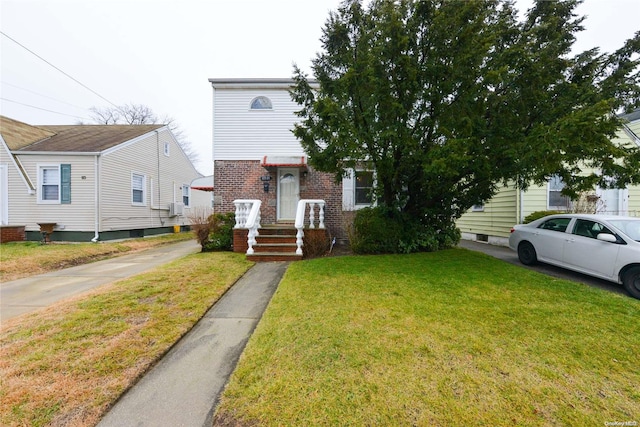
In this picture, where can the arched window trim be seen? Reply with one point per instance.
(254, 106)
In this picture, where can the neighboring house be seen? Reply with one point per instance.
(256, 156)
(95, 182)
(492, 221)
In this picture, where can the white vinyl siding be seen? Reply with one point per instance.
(25, 207)
(240, 133)
(164, 177)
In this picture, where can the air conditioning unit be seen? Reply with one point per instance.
(176, 209)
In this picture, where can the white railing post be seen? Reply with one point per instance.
(321, 215)
(299, 224)
(248, 216)
(311, 215)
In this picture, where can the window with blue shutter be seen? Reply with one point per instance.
(65, 184)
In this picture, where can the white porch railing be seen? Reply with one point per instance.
(248, 216)
(300, 219)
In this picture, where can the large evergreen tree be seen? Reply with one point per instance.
(448, 100)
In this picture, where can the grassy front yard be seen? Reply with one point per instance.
(447, 338)
(64, 365)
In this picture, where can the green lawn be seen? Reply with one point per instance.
(450, 338)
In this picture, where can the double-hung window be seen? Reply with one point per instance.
(358, 187)
(138, 189)
(186, 194)
(54, 184)
(556, 200)
(364, 187)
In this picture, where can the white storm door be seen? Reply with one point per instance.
(4, 196)
(288, 193)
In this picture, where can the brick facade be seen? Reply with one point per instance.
(240, 179)
(12, 233)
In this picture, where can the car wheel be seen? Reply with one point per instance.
(527, 253)
(631, 281)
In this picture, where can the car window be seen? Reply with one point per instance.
(631, 227)
(587, 228)
(556, 224)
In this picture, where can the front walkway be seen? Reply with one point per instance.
(184, 387)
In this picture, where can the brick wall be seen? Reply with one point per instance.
(240, 179)
(12, 233)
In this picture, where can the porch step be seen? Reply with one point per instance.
(275, 243)
(268, 246)
(273, 256)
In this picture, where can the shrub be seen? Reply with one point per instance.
(199, 219)
(316, 243)
(220, 237)
(538, 214)
(379, 230)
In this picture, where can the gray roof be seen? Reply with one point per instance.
(631, 117)
(87, 138)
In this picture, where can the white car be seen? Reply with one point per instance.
(603, 246)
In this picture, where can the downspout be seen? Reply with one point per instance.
(96, 202)
(159, 186)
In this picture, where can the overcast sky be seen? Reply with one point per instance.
(161, 53)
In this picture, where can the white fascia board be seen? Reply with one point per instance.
(21, 171)
(283, 83)
(56, 153)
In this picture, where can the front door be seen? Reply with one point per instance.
(288, 193)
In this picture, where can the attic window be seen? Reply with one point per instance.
(261, 103)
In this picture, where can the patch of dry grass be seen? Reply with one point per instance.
(66, 364)
(23, 259)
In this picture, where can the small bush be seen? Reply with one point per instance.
(317, 243)
(220, 237)
(538, 214)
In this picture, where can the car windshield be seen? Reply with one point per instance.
(630, 227)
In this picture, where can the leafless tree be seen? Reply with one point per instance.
(138, 114)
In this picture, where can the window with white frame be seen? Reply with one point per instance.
(358, 189)
(186, 194)
(166, 148)
(363, 187)
(138, 189)
(54, 184)
(261, 103)
(555, 199)
(477, 208)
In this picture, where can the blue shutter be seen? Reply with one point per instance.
(65, 184)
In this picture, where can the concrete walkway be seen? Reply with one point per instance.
(183, 388)
(32, 293)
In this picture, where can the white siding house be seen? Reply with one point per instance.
(256, 155)
(95, 182)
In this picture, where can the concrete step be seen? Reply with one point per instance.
(274, 247)
(275, 239)
(273, 256)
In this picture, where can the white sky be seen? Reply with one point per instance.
(161, 53)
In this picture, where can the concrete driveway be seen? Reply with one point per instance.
(511, 257)
(32, 293)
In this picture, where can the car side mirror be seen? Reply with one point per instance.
(606, 237)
